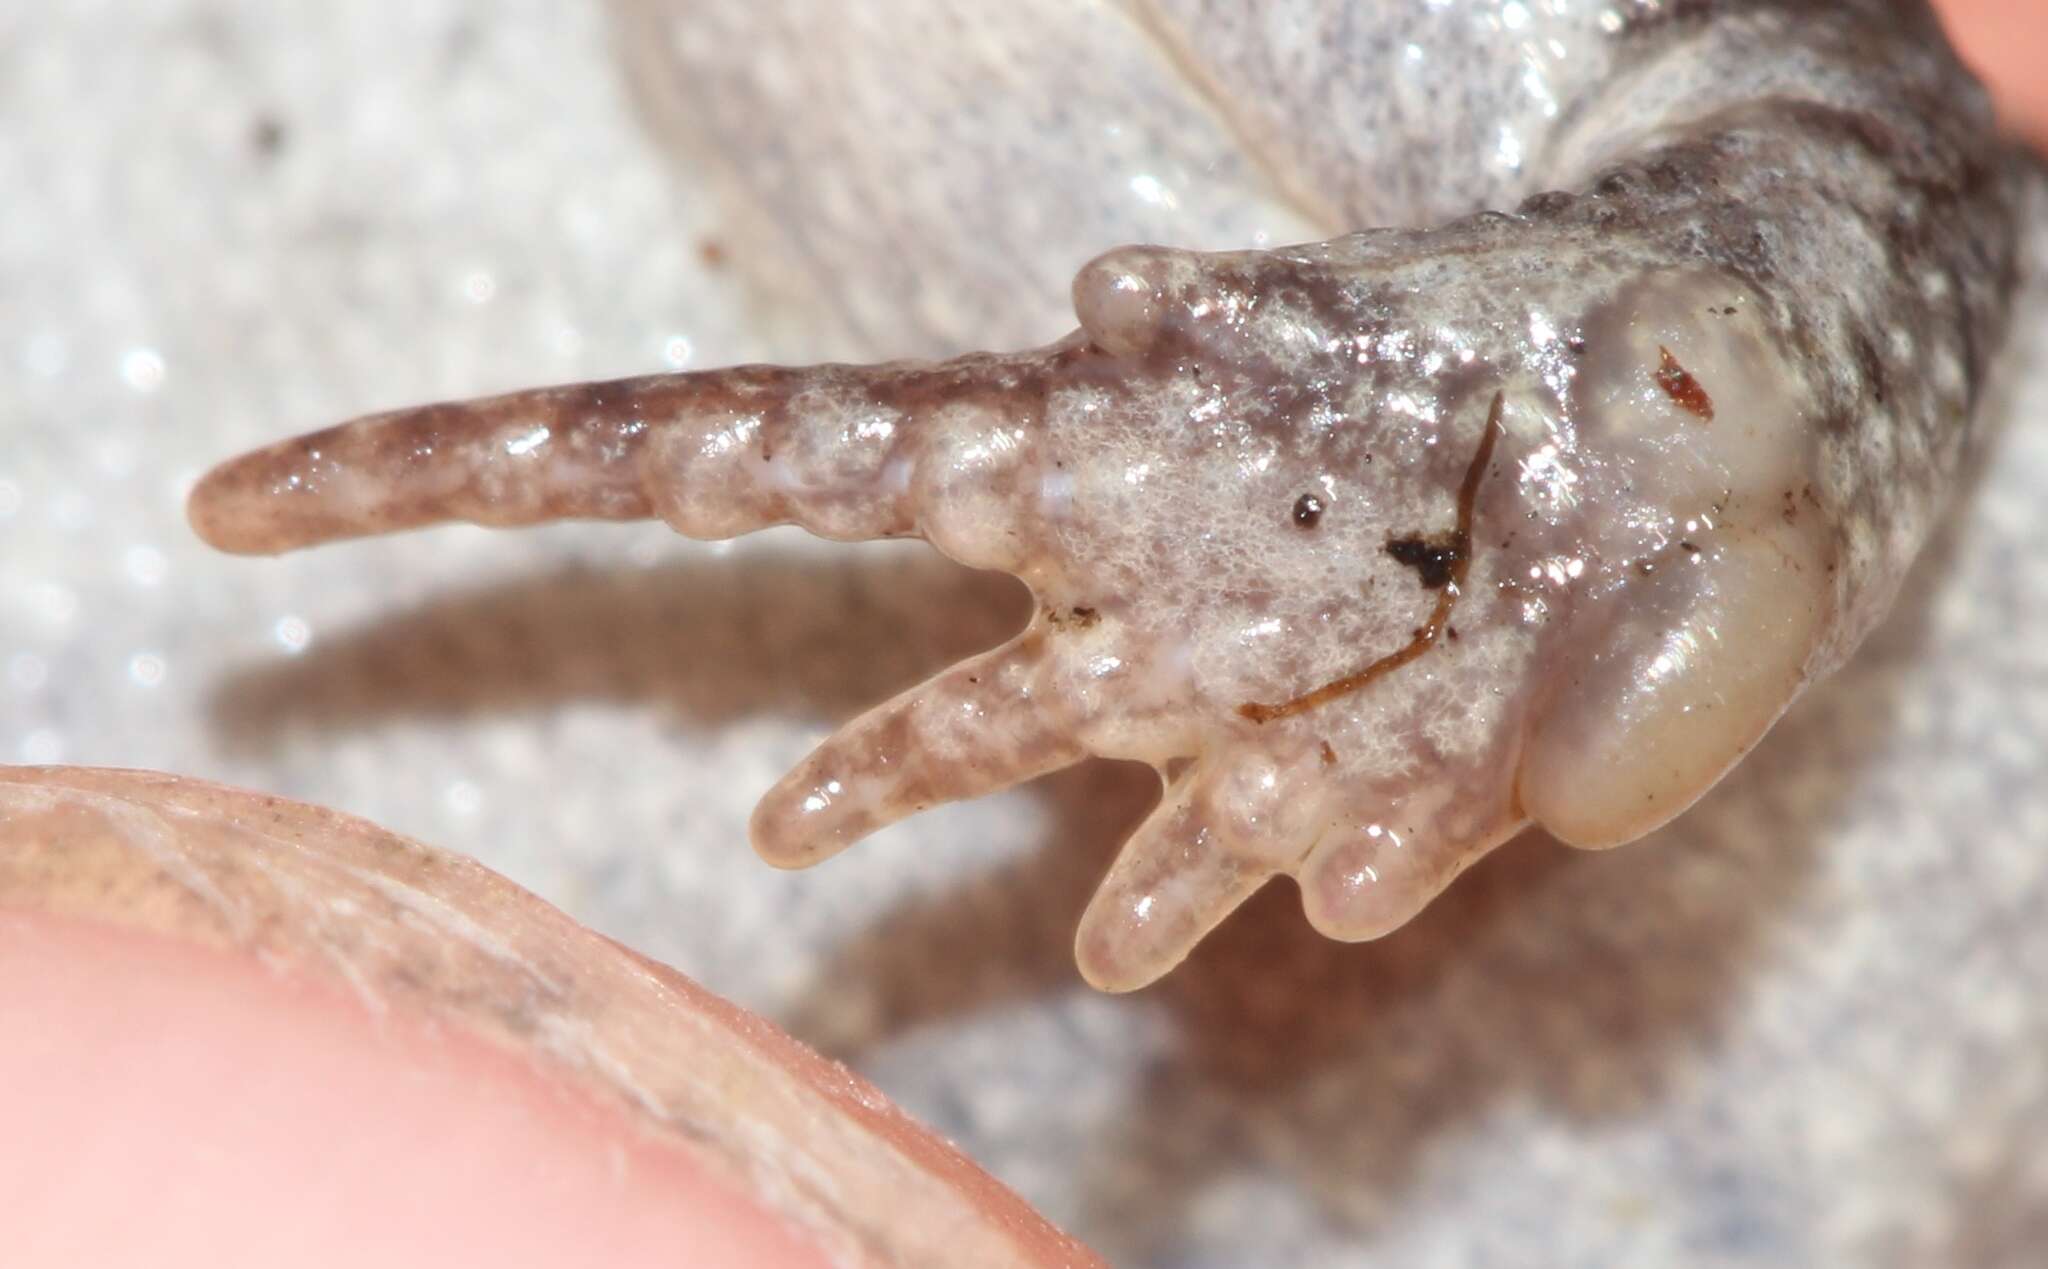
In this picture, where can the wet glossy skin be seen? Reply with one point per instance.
(1384, 547)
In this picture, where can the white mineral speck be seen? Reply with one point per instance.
(292, 634)
(143, 369)
(146, 669)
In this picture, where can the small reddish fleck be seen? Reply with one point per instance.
(1680, 386)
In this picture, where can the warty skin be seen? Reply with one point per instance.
(1383, 547)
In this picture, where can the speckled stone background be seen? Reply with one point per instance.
(1805, 1025)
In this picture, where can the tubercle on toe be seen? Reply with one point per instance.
(983, 725)
(1170, 885)
(844, 451)
(546, 454)
(1122, 297)
(1354, 890)
(849, 453)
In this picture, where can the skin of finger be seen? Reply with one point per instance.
(2006, 42)
(177, 1104)
(415, 930)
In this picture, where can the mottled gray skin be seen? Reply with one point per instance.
(1697, 411)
